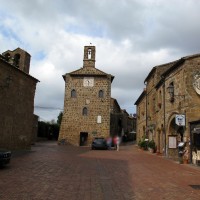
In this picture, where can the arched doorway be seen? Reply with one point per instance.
(195, 142)
(175, 135)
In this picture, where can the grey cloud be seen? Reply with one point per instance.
(130, 80)
(150, 33)
(149, 25)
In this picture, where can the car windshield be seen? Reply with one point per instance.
(99, 140)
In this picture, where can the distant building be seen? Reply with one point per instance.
(115, 119)
(168, 110)
(89, 110)
(121, 123)
(141, 116)
(17, 91)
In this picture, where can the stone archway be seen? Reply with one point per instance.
(177, 132)
(171, 131)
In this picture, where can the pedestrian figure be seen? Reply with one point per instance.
(116, 142)
(109, 142)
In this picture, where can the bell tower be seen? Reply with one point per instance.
(18, 58)
(89, 56)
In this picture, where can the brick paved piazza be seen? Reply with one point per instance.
(55, 172)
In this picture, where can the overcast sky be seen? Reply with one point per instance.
(131, 37)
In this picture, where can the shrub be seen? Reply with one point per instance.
(144, 144)
(152, 144)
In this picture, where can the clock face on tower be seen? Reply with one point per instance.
(88, 82)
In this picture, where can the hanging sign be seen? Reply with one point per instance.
(180, 120)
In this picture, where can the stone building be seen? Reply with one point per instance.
(17, 91)
(121, 123)
(141, 116)
(87, 103)
(172, 106)
(115, 118)
(89, 110)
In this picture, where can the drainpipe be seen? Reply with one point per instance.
(164, 122)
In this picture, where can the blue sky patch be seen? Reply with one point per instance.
(40, 55)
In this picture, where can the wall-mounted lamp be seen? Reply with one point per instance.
(170, 90)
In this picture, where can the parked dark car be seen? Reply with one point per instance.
(5, 157)
(99, 143)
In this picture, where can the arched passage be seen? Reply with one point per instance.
(175, 134)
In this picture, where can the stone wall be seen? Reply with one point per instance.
(141, 117)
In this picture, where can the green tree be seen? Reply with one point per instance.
(59, 118)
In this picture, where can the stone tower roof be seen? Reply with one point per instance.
(88, 72)
(88, 68)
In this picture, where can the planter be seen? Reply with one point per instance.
(185, 161)
(152, 146)
(151, 150)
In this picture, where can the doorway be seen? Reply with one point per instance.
(83, 138)
(195, 142)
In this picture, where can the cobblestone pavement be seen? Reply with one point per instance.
(55, 172)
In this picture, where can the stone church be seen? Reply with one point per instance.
(87, 103)
(17, 92)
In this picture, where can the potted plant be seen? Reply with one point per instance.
(185, 156)
(143, 145)
(152, 146)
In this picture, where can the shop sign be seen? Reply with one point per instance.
(180, 120)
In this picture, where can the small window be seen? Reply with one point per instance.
(154, 105)
(160, 95)
(101, 94)
(171, 90)
(73, 93)
(85, 111)
(16, 60)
